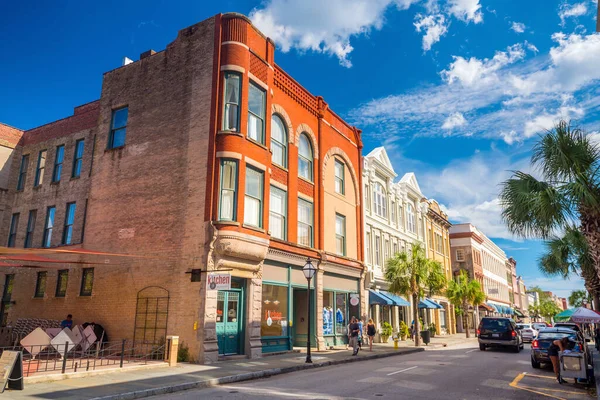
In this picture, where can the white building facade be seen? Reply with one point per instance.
(395, 216)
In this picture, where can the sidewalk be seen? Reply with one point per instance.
(123, 384)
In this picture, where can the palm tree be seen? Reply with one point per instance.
(464, 292)
(568, 255)
(411, 273)
(577, 298)
(568, 193)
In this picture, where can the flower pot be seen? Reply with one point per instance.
(403, 338)
(384, 339)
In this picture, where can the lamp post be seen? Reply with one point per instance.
(309, 272)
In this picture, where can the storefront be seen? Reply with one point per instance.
(341, 302)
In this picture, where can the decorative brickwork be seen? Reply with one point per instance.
(277, 109)
(258, 68)
(303, 128)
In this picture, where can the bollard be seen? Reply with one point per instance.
(122, 353)
(64, 364)
(396, 343)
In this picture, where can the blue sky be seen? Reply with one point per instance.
(457, 90)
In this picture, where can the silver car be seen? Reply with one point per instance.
(528, 332)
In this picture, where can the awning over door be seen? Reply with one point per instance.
(398, 301)
(378, 298)
(430, 304)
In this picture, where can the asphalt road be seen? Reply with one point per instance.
(455, 373)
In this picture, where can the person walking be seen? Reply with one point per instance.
(348, 334)
(371, 333)
(354, 331)
(556, 347)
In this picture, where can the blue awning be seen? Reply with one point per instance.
(378, 298)
(398, 301)
(437, 305)
(426, 303)
(495, 307)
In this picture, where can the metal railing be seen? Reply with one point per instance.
(71, 358)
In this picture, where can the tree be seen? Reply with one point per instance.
(569, 255)
(568, 192)
(411, 273)
(462, 293)
(546, 308)
(578, 298)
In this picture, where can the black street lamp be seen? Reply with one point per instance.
(309, 272)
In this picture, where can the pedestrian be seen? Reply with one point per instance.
(553, 350)
(371, 333)
(412, 330)
(360, 333)
(354, 331)
(348, 334)
(67, 323)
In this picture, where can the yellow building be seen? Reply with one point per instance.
(438, 248)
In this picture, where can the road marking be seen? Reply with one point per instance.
(402, 370)
(470, 351)
(519, 377)
(542, 376)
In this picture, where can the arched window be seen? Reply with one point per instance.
(380, 200)
(305, 158)
(278, 141)
(410, 218)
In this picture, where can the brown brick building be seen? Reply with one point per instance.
(205, 156)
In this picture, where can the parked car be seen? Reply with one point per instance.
(528, 332)
(499, 332)
(540, 345)
(568, 325)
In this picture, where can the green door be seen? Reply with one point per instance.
(229, 322)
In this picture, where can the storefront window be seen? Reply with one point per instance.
(274, 320)
(328, 313)
(354, 306)
(341, 317)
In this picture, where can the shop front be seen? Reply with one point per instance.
(230, 319)
(341, 302)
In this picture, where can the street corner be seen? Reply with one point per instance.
(544, 385)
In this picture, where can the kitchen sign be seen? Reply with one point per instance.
(218, 282)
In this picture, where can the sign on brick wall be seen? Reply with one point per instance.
(219, 282)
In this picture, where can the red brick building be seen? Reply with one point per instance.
(203, 157)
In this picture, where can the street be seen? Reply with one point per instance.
(454, 373)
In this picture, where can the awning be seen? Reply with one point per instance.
(398, 301)
(428, 303)
(378, 298)
(495, 307)
(519, 313)
(438, 305)
(487, 307)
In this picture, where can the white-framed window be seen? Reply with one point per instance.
(380, 200)
(460, 255)
(339, 177)
(368, 248)
(377, 250)
(400, 216)
(393, 213)
(367, 198)
(386, 251)
(278, 141)
(305, 158)
(410, 218)
(256, 113)
(231, 102)
(305, 223)
(228, 188)
(278, 213)
(253, 201)
(340, 234)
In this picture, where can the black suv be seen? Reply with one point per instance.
(501, 332)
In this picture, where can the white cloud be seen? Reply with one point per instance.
(558, 286)
(434, 26)
(508, 97)
(295, 24)
(454, 120)
(571, 11)
(466, 10)
(518, 27)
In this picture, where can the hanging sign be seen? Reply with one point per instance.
(354, 299)
(218, 281)
(11, 368)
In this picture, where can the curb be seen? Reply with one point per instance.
(245, 377)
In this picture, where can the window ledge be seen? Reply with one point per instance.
(235, 133)
(73, 178)
(306, 180)
(37, 187)
(227, 223)
(19, 190)
(84, 296)
(280, 167)
(108, 149)
(259, 144)
(55, 183)
(254, 228)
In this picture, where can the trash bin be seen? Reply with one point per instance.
(426, 335)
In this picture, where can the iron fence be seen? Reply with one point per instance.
(72, 358)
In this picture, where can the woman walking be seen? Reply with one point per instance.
(553, 350)
(371, 333)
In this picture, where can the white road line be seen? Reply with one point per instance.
(402, 370)
(470, 351)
